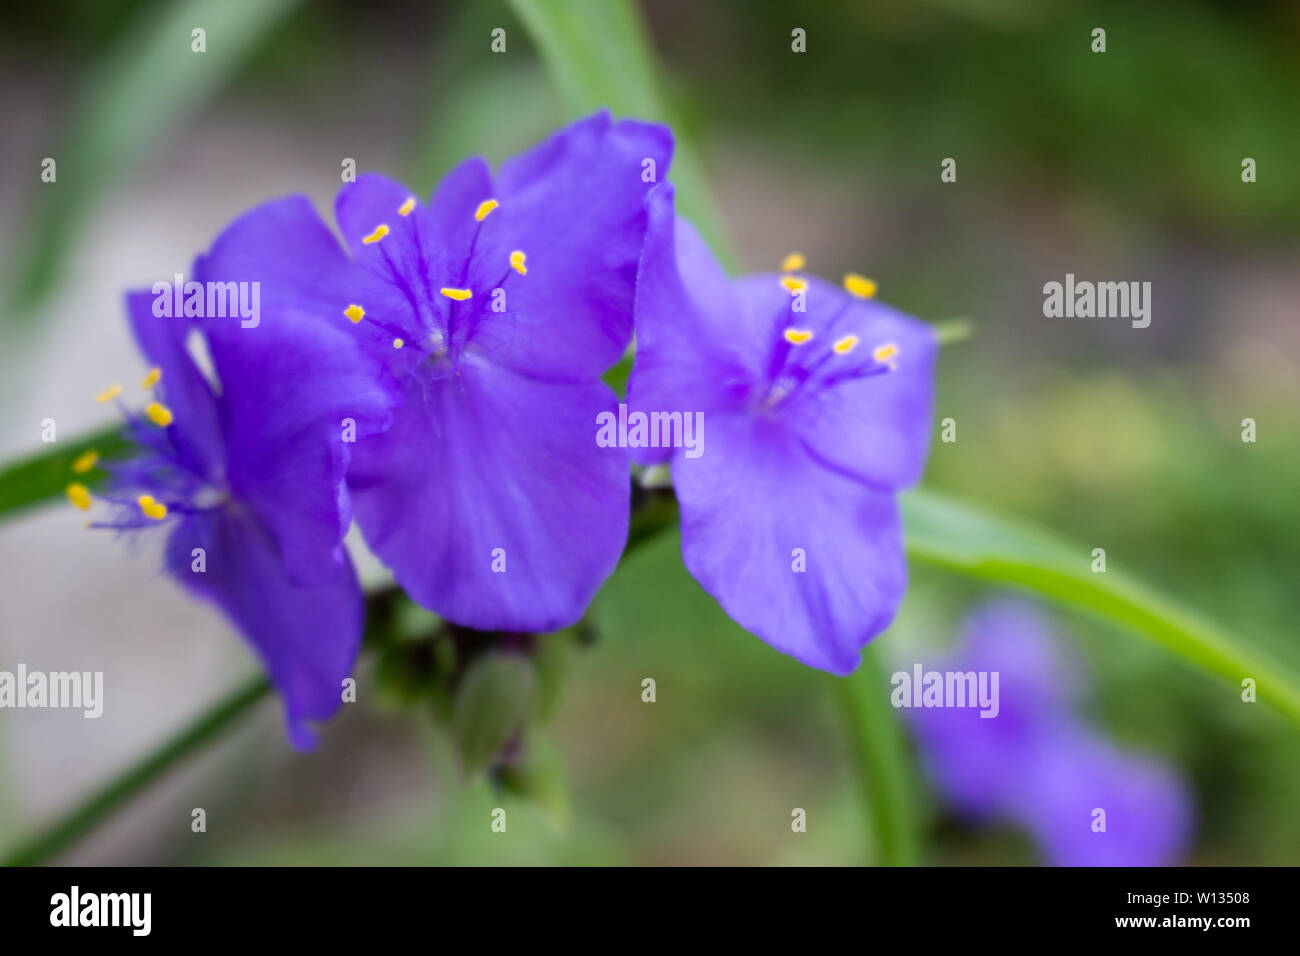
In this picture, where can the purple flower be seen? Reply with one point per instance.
(492, 310)
(1036, 764)
(246, 473)
(816, 402)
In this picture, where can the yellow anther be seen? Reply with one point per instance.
(159, 414)
(152, 378)
(798, 336)
(108, 394)
(381, 230)
(405, 208)
(152, 509)
(460, 295)
(860, 286)
(793, 262)
(485, 207)
(845, 345)
(354, 313)
(794, 283)
(884, 353)
(398, 343)
(79, 496)
(85, 461)
(517, 262)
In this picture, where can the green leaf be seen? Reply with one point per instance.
(45, 475)
(145, 85)
(963, 538)
(598, 55)
(86, 815)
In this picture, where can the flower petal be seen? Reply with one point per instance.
(454, 203)
(196, 432)
(1148, 815)
(750, 504)
(407, 251)
(574, 205)
(298, 264)
(990, 767)
(297, 392)
(306, 637)
(360, 207)
(690, 354)
(486, 459)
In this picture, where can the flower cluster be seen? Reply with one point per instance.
(437, 376)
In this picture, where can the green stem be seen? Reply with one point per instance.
(883, 767)
(99, 806)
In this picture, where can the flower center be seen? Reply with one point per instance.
(447, 327)
(802, 358)
(154, 483)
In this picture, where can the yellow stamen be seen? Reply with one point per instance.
(884, 353)
(79, 496)
(517, 262)
(793, 262)
(398, 343)
(85, 462)
(794, 283)
(152, 378)
(159, 414)
(485, 207)
(460, 295)
(860, 286)
(354, 313)
(798, 336)
(405, 208)
(108, 394)
(152, 509)
(381, 230)
(845, 345)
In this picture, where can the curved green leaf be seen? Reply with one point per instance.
(963, 538)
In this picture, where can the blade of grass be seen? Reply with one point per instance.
(102, 804)
(43, 477)
(598, 55)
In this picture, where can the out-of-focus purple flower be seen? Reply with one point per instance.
(493, 310)
(1036, 764)
(817, 406)
(246, 473)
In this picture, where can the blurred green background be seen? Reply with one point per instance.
(1122, 165)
